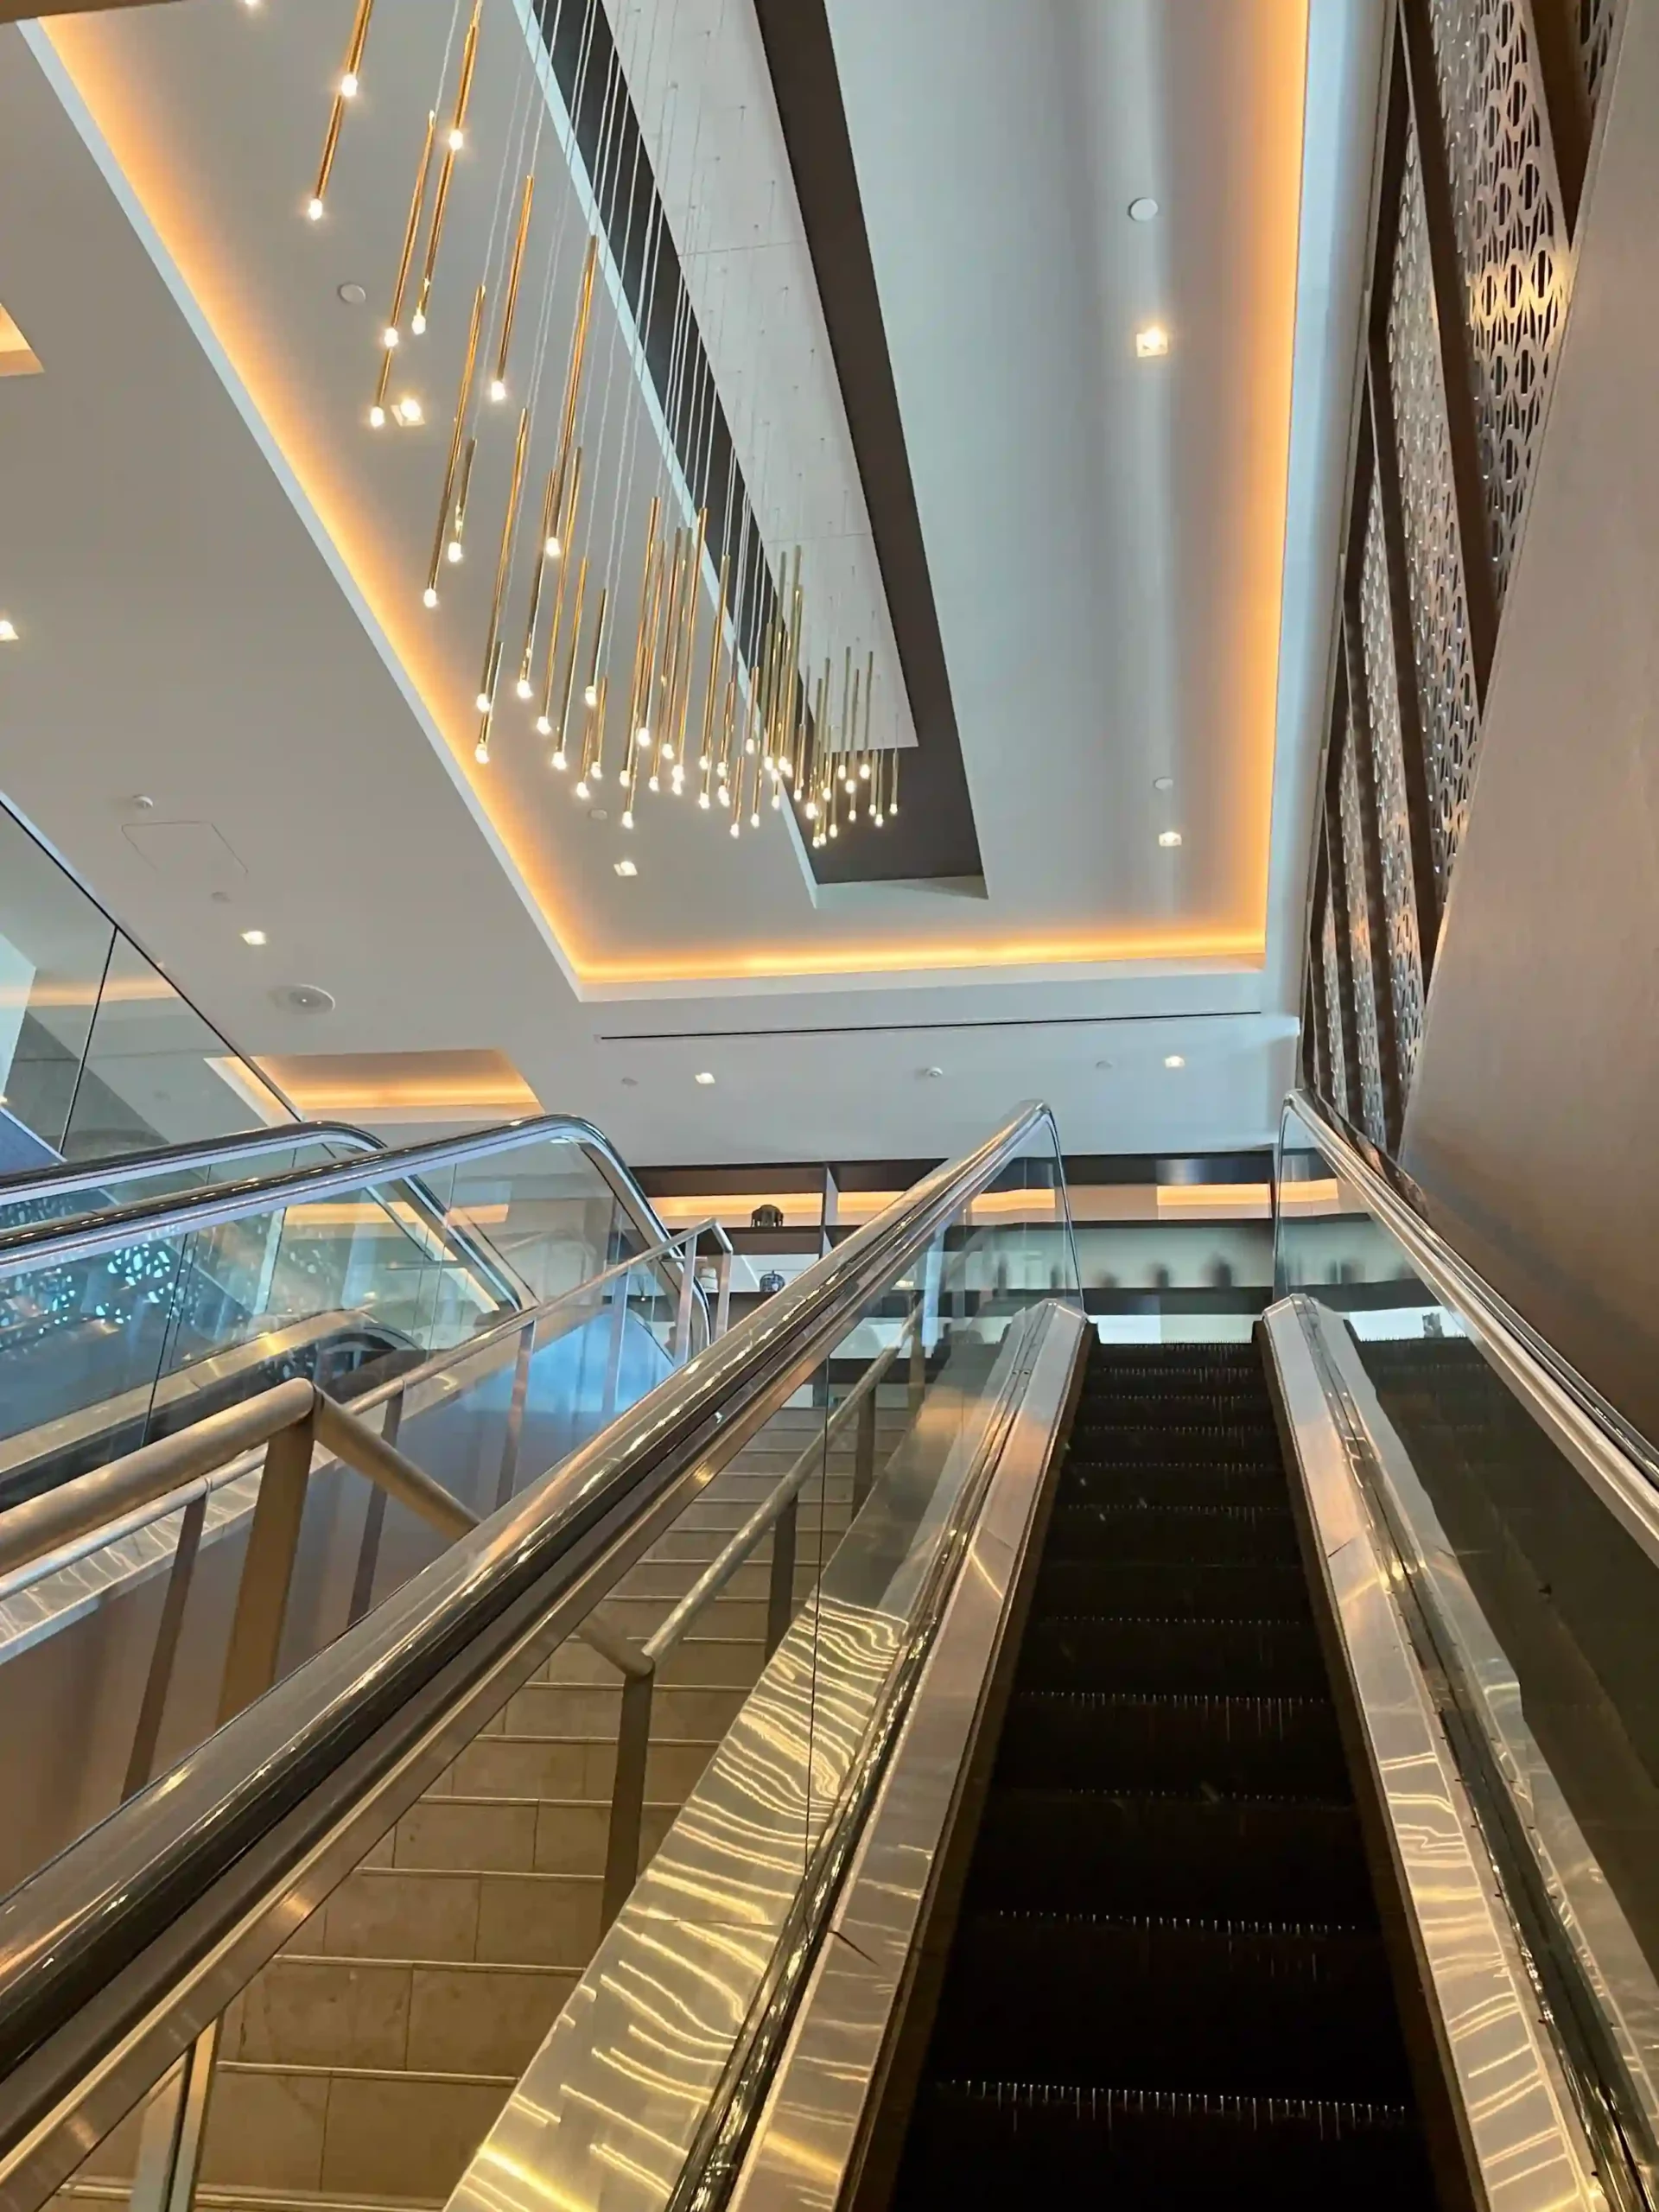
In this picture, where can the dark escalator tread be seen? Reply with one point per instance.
(995, 2144)
(1167, 1984)
(1215, 1590)
(1122, 1739)
(1134, 1529)
(1258, 2008)
(1163, 1852)
(1178, 1654)
(1125, 1435)
(1219, 1481)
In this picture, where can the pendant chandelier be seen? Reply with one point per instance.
(610, 702)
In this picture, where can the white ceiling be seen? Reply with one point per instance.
(214, 568)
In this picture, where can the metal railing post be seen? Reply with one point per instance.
(267, 1569)
(688, 1288)
(780, 1589)
(723, 1293)
(141, 1759)
(613, 1356)
(173, 2128)
(508, 1475)
(374, 1522)
(627, 1795)
(864, 1451)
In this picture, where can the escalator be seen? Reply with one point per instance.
(915, 1755)
(141, 1296)
(1167, 1983)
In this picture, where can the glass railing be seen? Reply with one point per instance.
(651, 1688)
(100, 1055)
(116, 1329)
(1525, 1516)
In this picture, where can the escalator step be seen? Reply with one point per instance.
(1149, 1654)
(988, 2144)
(1256, 2008)
(1216, 1855)
(1187, 1409)
(1113, 1482)
(1134, 1530)
(1218, 1592)
(1278, 1747)
(1199, 1441)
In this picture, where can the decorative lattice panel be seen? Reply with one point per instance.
(1389, 775)
(1336, 1057)
(1372, 1113)
(1511, 241)
(1596, 21)
(1435, 574)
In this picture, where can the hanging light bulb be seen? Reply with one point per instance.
(377, 418)
(428, 597)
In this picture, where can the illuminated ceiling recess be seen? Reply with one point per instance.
(604, 667)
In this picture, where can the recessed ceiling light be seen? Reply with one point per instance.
(353, 294)
(1151, 343)
(1167, 838)
(1103, 1066)
(1163, 783)
(1173, 1060)
(253, 937)
(8, 630)
(1143, 210)
(705, 1078)
(598, 814)
(625, 867)
(933, 1073)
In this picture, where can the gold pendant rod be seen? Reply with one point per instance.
(573, 373)
(455, 138)
(663, 714)
(392, 333)
(630, 736)
(566, 524)
(462, 397)
(504, 562)
(693, 600)
(345, 93)
(705, 752)
(515, 270)
(570, 665)
(593, 736)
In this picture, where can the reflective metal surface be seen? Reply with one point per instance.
(65, 1177)
(664, 2047)
(1482, 1677)
(808, 2130)
(1621, 1465)
(100, 1944)
(1525, 2148)
(58, 1243)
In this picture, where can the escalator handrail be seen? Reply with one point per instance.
(1587, 1427)
(105, 1915)
(85, 1237)
(66, 1175)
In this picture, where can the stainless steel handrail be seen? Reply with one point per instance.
(94, 1174)
(119, 1917)
(46, 1534)
(36, 1243)
(1615, 1458)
